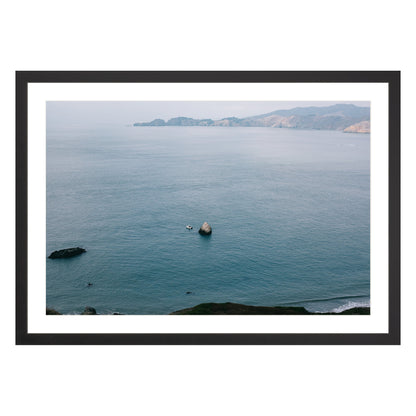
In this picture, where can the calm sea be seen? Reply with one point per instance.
(289, 209)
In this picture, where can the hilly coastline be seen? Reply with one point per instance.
(343, 117)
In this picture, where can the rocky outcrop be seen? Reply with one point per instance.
(362, 127)
(230, 308)
(89, 311)
(359, 310)
(239, 309)
(205, 229)
(50, 311)
(67, 252)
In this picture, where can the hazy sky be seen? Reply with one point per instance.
(128, 112)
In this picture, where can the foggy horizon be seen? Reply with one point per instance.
(129, 112)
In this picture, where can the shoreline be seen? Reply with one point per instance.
(229, 308)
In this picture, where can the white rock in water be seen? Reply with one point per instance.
(205, 229)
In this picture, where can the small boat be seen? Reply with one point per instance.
(189, 227)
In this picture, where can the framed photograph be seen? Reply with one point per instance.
(208, 207)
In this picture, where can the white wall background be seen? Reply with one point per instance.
(180, 35)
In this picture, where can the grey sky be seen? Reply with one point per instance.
(128, 112)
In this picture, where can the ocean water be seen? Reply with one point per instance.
(289, 209)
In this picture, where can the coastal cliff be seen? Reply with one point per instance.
(335, 117)
(361, 127)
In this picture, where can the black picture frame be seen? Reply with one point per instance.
(23, 78)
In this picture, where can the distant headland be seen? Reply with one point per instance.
(343, 117)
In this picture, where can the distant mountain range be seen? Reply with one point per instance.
(344, 117)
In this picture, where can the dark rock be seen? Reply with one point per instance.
(239, 309)
(50, 311)
(205, 229)
(359, 310)
(89, 311)
(67, 252)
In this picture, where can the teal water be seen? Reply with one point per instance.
(290, 212)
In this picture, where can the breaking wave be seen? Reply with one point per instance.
(350, 305)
